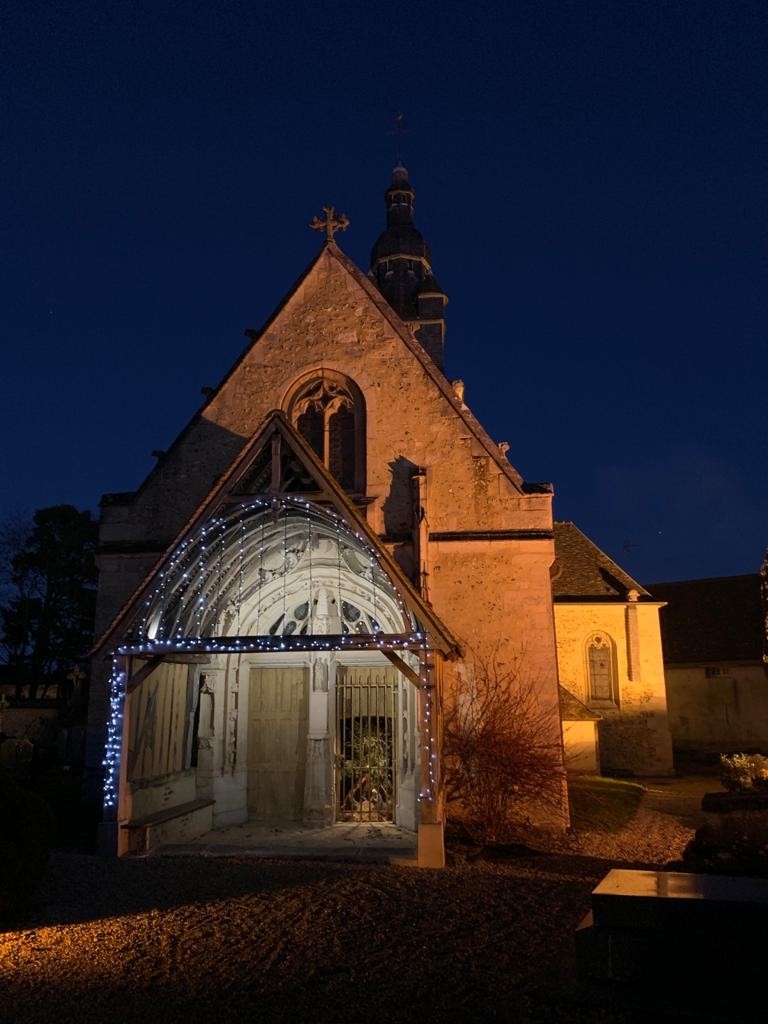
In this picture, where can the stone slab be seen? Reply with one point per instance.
(686, 942)
(379, 843)
(660, 900)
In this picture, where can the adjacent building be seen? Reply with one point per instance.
(715, 644)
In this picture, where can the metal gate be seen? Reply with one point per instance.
(366, 713)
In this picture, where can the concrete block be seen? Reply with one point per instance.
(661, 900)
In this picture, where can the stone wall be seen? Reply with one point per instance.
(634, 732)
(722, 713)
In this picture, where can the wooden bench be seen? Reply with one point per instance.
(173, 824)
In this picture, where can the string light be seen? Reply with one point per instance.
(240, 570)
(278, 642)
(206, 587)
(203, 576)
(285, 562)
(112, 747)
(428, 789)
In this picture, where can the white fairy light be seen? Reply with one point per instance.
(216, 581)
(112, 747)
(194, 586)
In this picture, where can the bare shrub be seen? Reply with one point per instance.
(502, 754)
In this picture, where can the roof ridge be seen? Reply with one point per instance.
(583, 579)
(439, 378)
(277, 421)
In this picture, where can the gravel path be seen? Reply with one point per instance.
(244, 939)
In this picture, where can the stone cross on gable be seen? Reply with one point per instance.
(332, 223)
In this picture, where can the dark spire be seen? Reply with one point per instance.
(401, 268)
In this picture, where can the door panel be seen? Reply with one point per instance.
(277, 743)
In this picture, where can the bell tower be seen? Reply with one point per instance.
(401, 268)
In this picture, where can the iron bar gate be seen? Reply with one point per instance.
(366, 743)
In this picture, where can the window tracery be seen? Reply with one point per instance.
(601, 672)
(329, 413)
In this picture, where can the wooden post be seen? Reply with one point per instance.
(432, 817)
(124, 801)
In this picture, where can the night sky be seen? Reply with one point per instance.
(591, 177)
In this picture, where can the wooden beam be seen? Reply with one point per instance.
(403, 666)
(276, 482)
(187, 658)
(141, 674)
(206, 647)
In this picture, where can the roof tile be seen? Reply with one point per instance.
(583, 572)
(718, 619)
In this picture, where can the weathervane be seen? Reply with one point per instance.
(333, 222)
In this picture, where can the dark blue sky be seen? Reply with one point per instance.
(591, 177)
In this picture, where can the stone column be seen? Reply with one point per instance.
(408, 766)
(633, 638)
(318, 778)
(207, 731)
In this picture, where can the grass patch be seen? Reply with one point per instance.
(602, 804)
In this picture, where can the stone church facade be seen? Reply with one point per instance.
(331, 546)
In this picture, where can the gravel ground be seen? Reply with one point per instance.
(245, 939)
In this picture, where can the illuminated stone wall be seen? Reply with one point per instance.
(634, 733)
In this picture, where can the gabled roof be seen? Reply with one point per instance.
(406, 335)
(211, 393)
(229, 487)
(330, 250)
(712, 620)
(583, 572)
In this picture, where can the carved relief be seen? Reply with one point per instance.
(320, 676)
(230, 743)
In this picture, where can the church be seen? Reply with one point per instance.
(331, 552)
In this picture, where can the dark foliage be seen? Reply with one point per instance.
(46, 618)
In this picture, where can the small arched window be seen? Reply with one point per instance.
(328, 411)
(601, 670)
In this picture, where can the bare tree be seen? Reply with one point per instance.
(502, 753)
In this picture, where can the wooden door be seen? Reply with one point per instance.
(157, 718)
(277, 743)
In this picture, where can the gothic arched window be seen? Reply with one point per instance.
(328, 411)
(600, 670)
